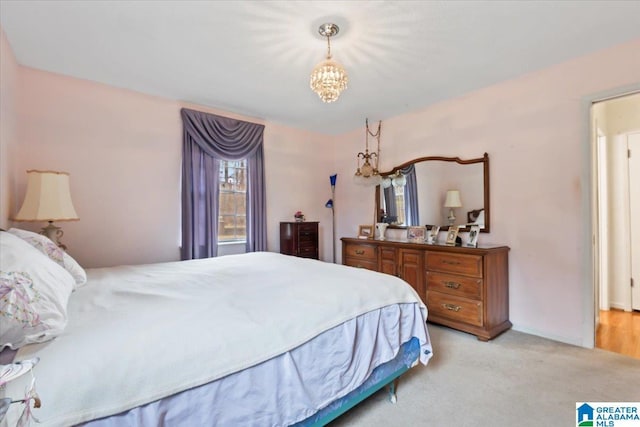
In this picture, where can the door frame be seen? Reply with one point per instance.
(635, 296)
(591, 287)
(601, 238)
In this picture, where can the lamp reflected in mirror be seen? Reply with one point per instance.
(414, 193)
(452, 201)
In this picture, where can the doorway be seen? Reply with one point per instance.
(616, 130)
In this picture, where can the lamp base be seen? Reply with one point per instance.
(451, 218)
(54, 233)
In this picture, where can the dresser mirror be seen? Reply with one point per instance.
(435, 191)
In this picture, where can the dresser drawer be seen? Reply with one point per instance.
(307, 227)
(367, 252)
(388, 254)
(455, 308)
(308, 236)
(308, 251)
(304, 243)
(454, 285)
(361, 263)
(470, 265)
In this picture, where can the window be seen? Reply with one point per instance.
(399, 194)
(232, 217)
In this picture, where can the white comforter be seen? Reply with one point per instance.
(140, 333)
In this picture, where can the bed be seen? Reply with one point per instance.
(252, 339)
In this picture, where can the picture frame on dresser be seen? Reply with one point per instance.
(452, 234)
(416, 234)
(472, 240)
(432, 235)
(365, 232)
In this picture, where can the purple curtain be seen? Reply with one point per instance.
(411, 196)
(209, 138)
(390, 203)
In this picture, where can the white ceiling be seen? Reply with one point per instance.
(254, 57)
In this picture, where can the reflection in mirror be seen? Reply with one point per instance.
(415, 193)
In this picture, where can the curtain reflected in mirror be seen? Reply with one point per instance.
(400, 198)
(414, 193)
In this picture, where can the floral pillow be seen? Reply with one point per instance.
(34, 292)
(50, 249)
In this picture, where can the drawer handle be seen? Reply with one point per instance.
(446, 261)
(452, 285)
(452, 307)
(359, 251)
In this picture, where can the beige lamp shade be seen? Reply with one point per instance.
(453, 199)
(48, 198)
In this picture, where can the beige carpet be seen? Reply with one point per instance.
(514, 380)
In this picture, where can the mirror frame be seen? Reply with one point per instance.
(484, 160)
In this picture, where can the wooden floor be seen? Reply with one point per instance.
(619, 331)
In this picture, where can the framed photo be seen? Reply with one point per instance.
(451, 235)
(472, 241)
(432, 237)
(365, 232)
(416, 234)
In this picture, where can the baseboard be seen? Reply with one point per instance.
(572, 341)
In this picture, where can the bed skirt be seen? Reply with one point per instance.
(383, 375)
(309, 385)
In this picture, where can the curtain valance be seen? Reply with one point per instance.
(222, 137)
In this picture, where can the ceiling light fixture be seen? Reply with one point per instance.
(328, 78)
(367, 174)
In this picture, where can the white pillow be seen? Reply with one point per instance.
(50, 249)
(34, 292)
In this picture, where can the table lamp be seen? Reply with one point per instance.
(452, 201)
(48, 198)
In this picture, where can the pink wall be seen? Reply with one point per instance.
(123, 152)
(8, 127)
(122, 149)
(536, 131)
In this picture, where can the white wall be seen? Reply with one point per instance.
(536, 131)
(620, 116)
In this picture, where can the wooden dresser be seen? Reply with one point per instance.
(464, 288)
(299, 239)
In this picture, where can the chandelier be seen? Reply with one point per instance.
(328, 78)
(396, 180)
(367, 174)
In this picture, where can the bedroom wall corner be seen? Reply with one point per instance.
(123, 151)
(297, 176)
(535, 130)
(9, 75)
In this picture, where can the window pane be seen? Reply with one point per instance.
(233, 201)
(399, 191)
